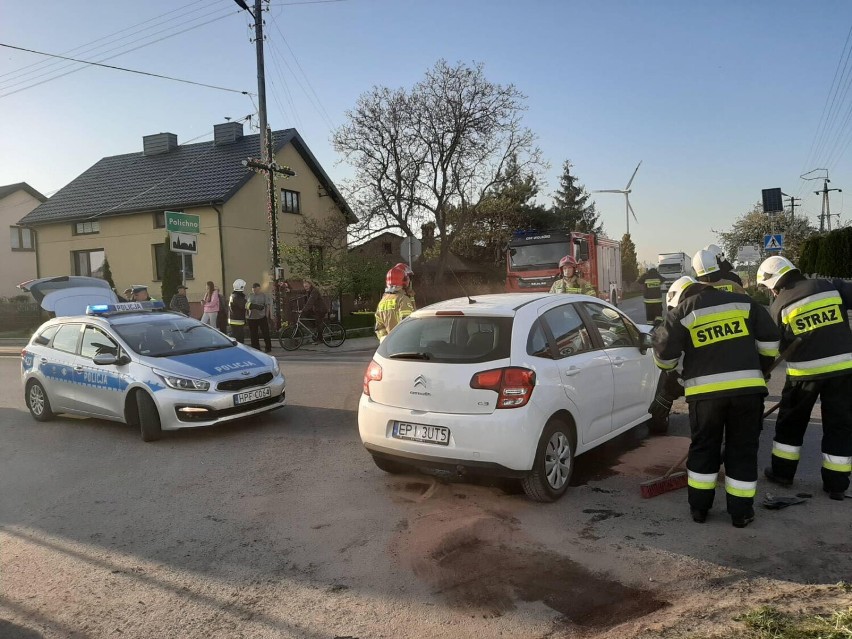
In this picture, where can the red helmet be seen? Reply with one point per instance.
(405, 268)
(567, 261)
(395, 278)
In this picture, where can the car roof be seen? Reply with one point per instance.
(500, 304)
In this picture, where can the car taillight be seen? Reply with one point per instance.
(23, 353)
(372, 374)
(514, 386)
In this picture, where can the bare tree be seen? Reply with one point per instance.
(434, 153)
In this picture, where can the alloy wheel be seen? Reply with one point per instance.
(557, 460)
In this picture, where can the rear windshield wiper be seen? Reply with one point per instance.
(411, 355)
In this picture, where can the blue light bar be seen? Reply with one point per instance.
(124, 307)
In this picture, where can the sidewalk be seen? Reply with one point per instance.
(11, 347)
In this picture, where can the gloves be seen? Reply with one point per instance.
(670, 386)
(660, 408)
(777, 503)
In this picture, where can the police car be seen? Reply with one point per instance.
(142, 365)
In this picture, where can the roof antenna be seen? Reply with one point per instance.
(470, 300)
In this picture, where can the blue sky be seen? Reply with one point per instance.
(719, 100)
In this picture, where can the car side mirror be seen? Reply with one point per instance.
(645, 342)
(106, 359)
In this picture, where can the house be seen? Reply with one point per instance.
(386, 246)
(18, 258)
(115, 210)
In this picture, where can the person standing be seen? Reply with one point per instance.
(820, 367)
(258, 318)
(707, 269)
(652, 295)
(139, 293)
(571, 280)
(315, 307)
(210, 305)
(395, 305)
(179, 302)
(728, 342)
(237, 305)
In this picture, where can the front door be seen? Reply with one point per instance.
(99, 388)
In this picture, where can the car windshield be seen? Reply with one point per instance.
(168, 337)
(529, 256)
(461, 340)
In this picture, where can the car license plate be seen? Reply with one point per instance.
(422, 433)
(247, 397)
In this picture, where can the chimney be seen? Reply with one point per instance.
(427, 236)
(227, 133)
(159, 143)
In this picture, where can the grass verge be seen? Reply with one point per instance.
(767, 622)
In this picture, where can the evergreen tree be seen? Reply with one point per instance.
(108, 274)
(172, 277)
(572, 208)
(629, 265)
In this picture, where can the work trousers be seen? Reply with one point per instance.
(238, 332)
(653, 310)
(261, 325)
(736, 422)
(797, 402)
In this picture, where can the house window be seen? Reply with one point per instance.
(387, 248)
(87, 228)
(315, 255)
(160, 220)
(160, 252)
(21, 238)
(89, 263)
(290, 201)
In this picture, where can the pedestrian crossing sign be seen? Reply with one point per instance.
(773, 242)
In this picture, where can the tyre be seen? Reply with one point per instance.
(37, 402)
(391, 467)
(553, 464)
(290, 338)
(333, 335)
(149, 417)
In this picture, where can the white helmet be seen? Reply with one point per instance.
(773, 269)
(704, 262)
(715, 250)
(239, 285)
(676, 290)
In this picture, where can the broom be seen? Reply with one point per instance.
(675, 481)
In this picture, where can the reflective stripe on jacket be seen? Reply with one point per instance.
(726, 339)
(392, 309)
(816, 311)
(573, 285)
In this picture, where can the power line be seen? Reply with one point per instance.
(287, 94)
(290, 4)
(109, 66)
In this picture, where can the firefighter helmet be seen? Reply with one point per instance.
(567, 261)
(239, 285)
(395, 278)
(405, 268)
(772, 270)
(676, 290)
(704, 263)
(716, 250)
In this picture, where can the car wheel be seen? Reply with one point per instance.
(392, 467)
(553, 464)
(149, 417)
(37, 402)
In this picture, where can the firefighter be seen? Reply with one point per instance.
(707, 269)
(395, 305)
(571, 280)
(724, 265)
(652, 295)
(237, 311)
(819, 367)
(728, 342)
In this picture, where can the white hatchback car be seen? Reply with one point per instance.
(513, 385)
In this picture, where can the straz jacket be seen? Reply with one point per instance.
(815, 310)
(727, 285)
(727, 341)
(652, 281)
(573, 284)
(393, 308)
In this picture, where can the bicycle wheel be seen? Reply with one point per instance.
(333, 335)
(290, 338)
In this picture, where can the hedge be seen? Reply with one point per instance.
(829, 254)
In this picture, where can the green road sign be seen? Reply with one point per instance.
(183, 223)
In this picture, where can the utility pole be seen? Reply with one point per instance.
(267, 163)
(826, 205)
(793, 206)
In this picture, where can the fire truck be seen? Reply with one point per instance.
(532, 261)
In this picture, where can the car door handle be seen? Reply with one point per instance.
(618, 361)
(78, 369)
(43, 360)
(571, 371)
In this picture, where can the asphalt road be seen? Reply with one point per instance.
(283, 527)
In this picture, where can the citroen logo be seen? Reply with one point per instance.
(420, 381)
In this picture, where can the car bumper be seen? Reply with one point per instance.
(180, 409)
(503, 442)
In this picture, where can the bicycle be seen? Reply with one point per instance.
(291, 336)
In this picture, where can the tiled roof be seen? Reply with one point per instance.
(190, 175)
(20, 186)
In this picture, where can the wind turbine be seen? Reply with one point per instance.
(626, 190)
